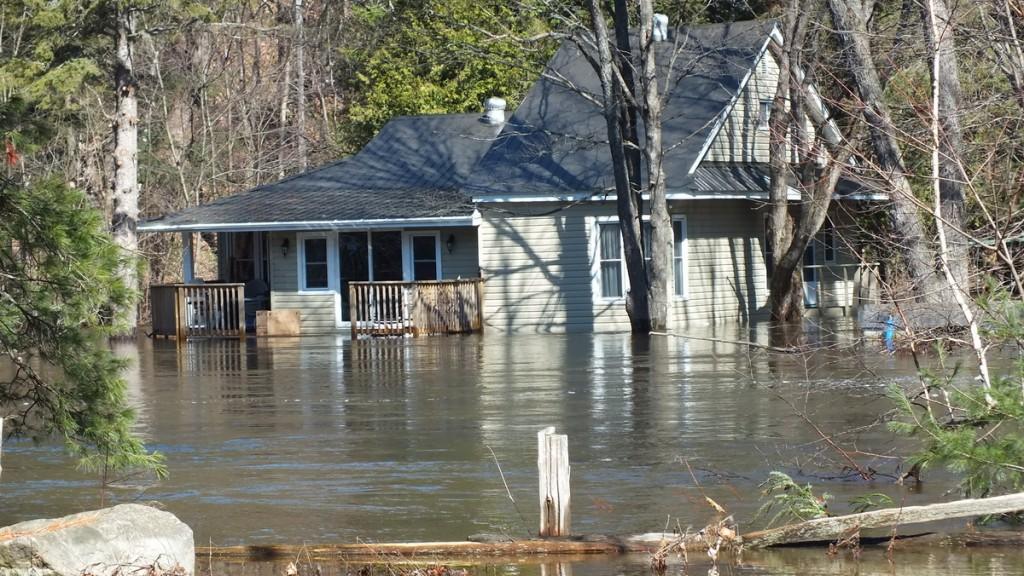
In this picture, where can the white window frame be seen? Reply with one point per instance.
(764, 113)
(332, 262)
(408, 264)
(684, 294)
(828, 232)
(595, 259)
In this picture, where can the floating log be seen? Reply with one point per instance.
(553, 469)
(831, 529)
(433, 550)
(577, 548)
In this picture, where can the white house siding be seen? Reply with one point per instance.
(538, 268)
(740, 139)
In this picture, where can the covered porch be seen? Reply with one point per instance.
(383, 278)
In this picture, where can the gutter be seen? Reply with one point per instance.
(376, 224)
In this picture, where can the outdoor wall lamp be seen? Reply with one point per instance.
(285, 245)
(450, 244)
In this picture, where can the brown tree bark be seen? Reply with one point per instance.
(794, 150)
(125, 196)
(786, 284)
(300, 84)
(630, 134)
(851, 28)
(629, 217)
(659, 269)
(284, 60)
(632, 203)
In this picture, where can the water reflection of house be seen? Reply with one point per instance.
(527, 205)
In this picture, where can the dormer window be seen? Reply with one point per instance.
(764, 114)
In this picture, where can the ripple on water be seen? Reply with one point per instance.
(319, 439)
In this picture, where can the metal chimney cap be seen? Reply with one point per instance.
(494, 110)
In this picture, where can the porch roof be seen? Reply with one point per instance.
(409, 175)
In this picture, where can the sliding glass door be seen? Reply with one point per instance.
(355, 264)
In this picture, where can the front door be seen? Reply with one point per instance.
(810, 278)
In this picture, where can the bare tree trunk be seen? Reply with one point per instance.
(624, 61)
(941, 95)
(853, 34)
(938, 27)
(1007, 46)
(660, 268)
(300, 85)
(125, 197)
(786, 284)
(284, 60)
(629, 217)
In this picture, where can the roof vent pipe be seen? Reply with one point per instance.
(660, 27)
(494, 110)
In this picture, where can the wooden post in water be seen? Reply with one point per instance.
(553, 468)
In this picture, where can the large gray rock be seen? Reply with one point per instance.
(126, 539)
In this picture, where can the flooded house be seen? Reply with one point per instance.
(507, 221)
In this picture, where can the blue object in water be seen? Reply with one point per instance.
(889, 335)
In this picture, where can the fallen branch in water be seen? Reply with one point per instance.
(830, 529)
(865, 474)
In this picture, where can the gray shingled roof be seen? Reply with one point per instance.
(754, 179)
(556, 142)
(412, 169)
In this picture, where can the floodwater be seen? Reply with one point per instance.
(328, 440)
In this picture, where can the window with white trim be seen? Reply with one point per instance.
(764, 114)
(679, 255)
(315, 264)
(828, 243)
(425, 260)
(611, 268)
(612, 278)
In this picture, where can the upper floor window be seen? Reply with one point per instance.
(764, 114)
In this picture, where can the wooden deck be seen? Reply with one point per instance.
(186, 311)
(416, 308)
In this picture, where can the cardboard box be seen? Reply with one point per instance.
(278, 323)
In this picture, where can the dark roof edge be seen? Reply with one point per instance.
(311, 225)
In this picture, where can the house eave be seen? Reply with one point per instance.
(793, 194)
(720, 195)
(307, 225)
